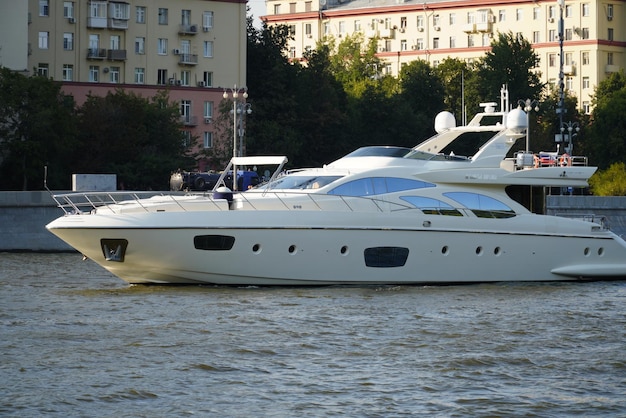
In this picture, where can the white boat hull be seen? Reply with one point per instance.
(289, 249)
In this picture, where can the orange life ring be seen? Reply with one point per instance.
(565, 160)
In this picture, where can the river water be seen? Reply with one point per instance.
(77, 341)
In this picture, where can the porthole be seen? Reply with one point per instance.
(256, 248)
(444, 250)
(292, 249)
(601, 251)
(586, 251)
(496, 251)
(479, 250)
(344, 250)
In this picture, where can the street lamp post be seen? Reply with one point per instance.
(561, 105)
(239, 107)
(570, 127)
(527, 106)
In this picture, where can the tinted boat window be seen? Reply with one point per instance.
(213, 242)
(482, 206)
(378, 185)
(432, 206)
(386, 256)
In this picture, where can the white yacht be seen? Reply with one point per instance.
(380, 215)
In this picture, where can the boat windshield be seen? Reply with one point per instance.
(299, 182)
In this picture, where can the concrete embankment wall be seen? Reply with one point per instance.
(613, 208)
(23, 219)
(24, 215)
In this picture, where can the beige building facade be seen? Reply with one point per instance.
(594, 32)
(195, 49)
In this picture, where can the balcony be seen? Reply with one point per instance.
(469, 27)
(96, 54)
(187, 29)
(116, 55)
(483, 27)
(386, 33)
(189, 120)
(188, 59)
(611, 68)
(569, 69)
(97, 22)
(119, 24)
(371, 33)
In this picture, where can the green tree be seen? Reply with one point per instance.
(510, 61)
(454, 74)
(135, 138)
(610, 182)
(607, 131)
(36, 130)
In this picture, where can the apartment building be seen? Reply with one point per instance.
(594, 32)
(193, 48)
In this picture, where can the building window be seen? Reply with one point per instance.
(420, 43)
(552, 35)
(609, 58)
(185, 17)
(185, 78)
(326, 28)
(277, 9)
(586, 108)
(208, 109)
(140, 14)
(120, 11)
(470, 40)
(585, 33)
(68, 9)
(140, 75)
(403, 22)
(551, 12)
(208, 49)
(94, 73)
(185, 110)
(114, 75)
(292, 7)
(307, 6)
(162, 76)
(610, 34)
(552, 60)
(436, 20)
(162, 46)
(471, 18)
(140, 44)
(98, 9)
(162, 16)
(569, 83)
(568, 58)
(292, 52)
(42, 70)
(585, 82)
(536, 13)
(452, 42)
(357, 25)
(208, 140)
(207, 76)
(342, 28)
(403, 45)
(486, 39)
(609, 11)
(43, 40)
(501, 15)
(536, 37)
(292, 30)
(569, 10)
(115, 42)
(452, 19)
(568, 34)
(207, 21)
(585, 58)
(519, 14)
(44, 7)
(68, 72)
(307, 29)
(585, 7)
(186, 138)
(420, 22)
(68, 41)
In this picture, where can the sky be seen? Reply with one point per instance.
(257, 8)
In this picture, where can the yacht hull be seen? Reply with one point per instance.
(303, 248)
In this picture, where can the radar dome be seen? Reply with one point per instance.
(444, 121)
(516, 120)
